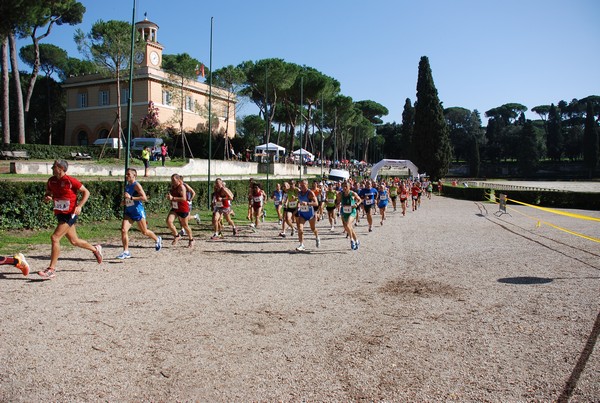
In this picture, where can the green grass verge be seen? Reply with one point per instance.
(12, 242)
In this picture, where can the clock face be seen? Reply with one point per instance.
(138, 57)
(154, 58)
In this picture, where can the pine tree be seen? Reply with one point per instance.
(431, 142)
(590, 141)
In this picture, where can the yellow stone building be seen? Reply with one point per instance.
(181, 104)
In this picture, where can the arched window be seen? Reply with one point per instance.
(82, 138)
(103, 134)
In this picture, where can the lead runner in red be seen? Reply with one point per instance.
(62, 189)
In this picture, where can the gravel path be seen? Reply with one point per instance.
(446, 304)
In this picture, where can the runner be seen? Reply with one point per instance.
(348, 201)
(180, 209)
(415, 191)
(382, 200)
(278, 202)
(393, 188)
(368, 194)
(317, 192)
(62, 189)
(190, 194)
(258, 201)
(18, 261)
(403, 196)
(250, 189)
(290, 202)
(306, 203)
(221, 202)
(134, 212)
(330, 197)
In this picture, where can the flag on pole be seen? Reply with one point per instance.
(200, 70)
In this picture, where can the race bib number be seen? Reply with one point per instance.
(277, 202)
(218, 204)
(347, 209)
(331, 201)
(368, 202)
(62, 205)
(174, 205)
(129, 202)
(292, 204)
(383, 198)
(257, 199)
(304, 209)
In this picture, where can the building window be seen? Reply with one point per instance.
(189, 103)
(82, 100)
(166, 98)
(103, 98)
(124, 95)
(82, 138)
(103, 134)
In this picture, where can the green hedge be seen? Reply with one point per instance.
(572, 200)
(21, 205)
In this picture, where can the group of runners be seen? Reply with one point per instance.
(296, 203)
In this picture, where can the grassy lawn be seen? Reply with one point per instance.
(12, 242)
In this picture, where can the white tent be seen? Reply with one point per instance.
(393, 168)
(270, 149)
(305, 153)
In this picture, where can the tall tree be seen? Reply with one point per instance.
(529, 150)
(51, 59)
(5, 91)
(554, 139)
(408, 124)
(431, 141)
(108, 45)
(590, 141)
(232, 79)
(44, 15)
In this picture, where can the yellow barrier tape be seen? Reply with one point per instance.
(580, 216)
(540, 222)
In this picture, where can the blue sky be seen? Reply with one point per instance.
(482, 53)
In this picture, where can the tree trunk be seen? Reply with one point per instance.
(18, 93)
(5, 93)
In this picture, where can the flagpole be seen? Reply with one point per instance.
(130, 100)
(210, 111)
(301, 121)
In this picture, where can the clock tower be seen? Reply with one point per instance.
(151, 55)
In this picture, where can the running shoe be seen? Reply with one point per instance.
(175, 239)
(381, 223)
(197, 218)
(292, 234)
(279, 222)
(332, 228)
(318, 242)
(191, 243)
(357, 245)
(301, 248)
(370, 229)
(215, 237)
(125, 255)
(48, 273)
(352, 245)
(235, 231)
(282, 234)
(158, 245)
(22, 263)
(98, 253)
(182, 232)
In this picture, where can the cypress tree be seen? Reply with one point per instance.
(408, 123)
(555, 140)
(431, 141)
(590, 141)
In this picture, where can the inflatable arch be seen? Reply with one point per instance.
(405, 166)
